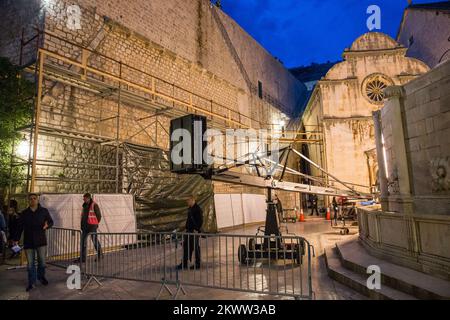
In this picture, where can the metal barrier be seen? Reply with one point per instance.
(274, 265)
(63, 246)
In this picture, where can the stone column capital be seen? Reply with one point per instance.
(394, 92)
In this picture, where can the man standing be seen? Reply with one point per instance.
(33, 222)
(194, 223)
(90, 219)
(335, 209)
(314, 201)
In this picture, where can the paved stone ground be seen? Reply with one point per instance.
(317, 231)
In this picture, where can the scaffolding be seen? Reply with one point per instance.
(154, 95)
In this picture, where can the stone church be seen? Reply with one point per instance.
(343, 101)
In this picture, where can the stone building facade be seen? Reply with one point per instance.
(343, 101)
(425, 31)
(188, 51)
(412, 227)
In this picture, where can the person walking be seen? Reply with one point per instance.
(335, 209)
(314, 202)
(194, 223)
(33, 222)
(90, 219)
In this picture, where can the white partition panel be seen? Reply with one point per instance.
(238, 209)
(238, 212)
(65, 209)
(224, 213)
(254, 207)
(117, 212)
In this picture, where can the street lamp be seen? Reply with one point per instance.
(23, 149)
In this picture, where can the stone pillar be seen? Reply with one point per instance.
(394, 105)
(380, 157)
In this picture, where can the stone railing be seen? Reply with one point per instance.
(420, 242)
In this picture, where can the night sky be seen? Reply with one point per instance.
(300, 32)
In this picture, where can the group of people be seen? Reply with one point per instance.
(314, 205)
(35, 220)
(33, 223)
(9, 216)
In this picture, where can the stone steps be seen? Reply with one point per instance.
(354, 257)
(347, 263)
(357, 281)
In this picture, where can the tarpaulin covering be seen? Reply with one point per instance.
(160, 196)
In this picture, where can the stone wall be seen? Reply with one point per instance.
(426, 35)
(419, 165)
(349, 139)
(420, 242)
(281, 88)
(187, 29)
(78, 172)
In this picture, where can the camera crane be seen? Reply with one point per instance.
(269, 181)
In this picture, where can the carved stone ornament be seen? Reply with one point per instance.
(440, 175)
(393, 182)
(373, 88)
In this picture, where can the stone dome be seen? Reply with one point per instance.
(374, 41)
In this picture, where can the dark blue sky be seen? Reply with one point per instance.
(300, 32)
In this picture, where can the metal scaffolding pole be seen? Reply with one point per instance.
(11, 172)
(36, 72)
(37, 119)
(118, 129)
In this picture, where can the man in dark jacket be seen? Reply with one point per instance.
(314, 203)
(194, 223)
(90, 219)
(335, 209)
(33, 222)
